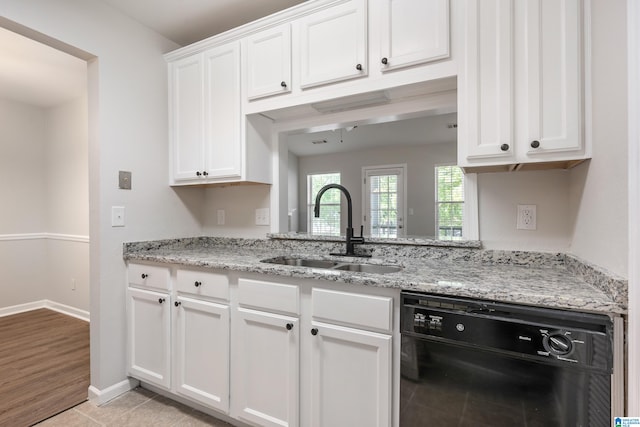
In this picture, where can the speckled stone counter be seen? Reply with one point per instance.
(533, 278)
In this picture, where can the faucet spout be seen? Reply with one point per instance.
(351, 240)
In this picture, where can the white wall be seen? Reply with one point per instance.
(22, 168)
(67, 194)
(498, 197)
(22, 165)
(127, 131)
(420, 161)
(239, 203)
(598, 190)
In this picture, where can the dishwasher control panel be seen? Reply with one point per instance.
(536, 333)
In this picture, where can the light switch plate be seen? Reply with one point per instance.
(117, 216)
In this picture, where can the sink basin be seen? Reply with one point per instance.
(302, 262)
(369, 268)
(334, 265)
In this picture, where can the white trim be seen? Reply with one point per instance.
(470, 222)
(617, 378)
(50, 236)
(68, 310)
(51, 305)
(633, 76)
(67, 237)
(21, 308)
(100, 397)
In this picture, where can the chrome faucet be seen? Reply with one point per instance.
(351, 240)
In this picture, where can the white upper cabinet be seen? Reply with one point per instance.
(552, 92)
(333, 44)
(268, 68)
(222, 111)
(485, 84)
(186, 104)
(412, 32)
(521, 84)
(205, 116)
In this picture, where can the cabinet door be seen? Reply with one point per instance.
(351, 377)
(553, 86)
(333, 44)
(222, 111)
(202, 352)
(269, 62)
(266, 370)
(413, 32)
(149, 336)
(485, 105)
(186, 106)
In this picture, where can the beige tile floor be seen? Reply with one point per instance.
(135, 408)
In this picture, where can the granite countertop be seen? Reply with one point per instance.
(550, 280)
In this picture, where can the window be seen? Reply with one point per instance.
(384, 200)
(329, 222)
(449, 202)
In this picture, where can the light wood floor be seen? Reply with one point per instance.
(44, 365)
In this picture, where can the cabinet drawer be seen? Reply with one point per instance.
(365, 311)
(151, 276)
(268, 296)
(203, 283)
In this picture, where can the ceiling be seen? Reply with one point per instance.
(416, 131)
(188, 21)
(35, 74)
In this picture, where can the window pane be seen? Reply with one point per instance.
(329, 221)
(384, 205)
(449, 201)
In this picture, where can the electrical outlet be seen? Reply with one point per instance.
(526, 217)
(262, 216)
(220, 216)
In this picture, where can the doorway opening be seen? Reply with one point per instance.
(44, 236)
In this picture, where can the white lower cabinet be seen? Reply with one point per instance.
(149, 336)
(351, 375)
(179, 339)
(266, 373)
(202, 352)
(268, 354)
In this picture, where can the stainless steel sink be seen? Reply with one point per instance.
(334, 265)
(301, 262)
(369, 268)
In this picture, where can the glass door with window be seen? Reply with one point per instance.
(384, 194)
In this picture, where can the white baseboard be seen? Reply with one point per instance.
(51, 305)
(21, 308)
(100, 397)
(68, 310)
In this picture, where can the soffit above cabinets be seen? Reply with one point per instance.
(186, 22)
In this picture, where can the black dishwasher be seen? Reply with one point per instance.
(467, 362)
